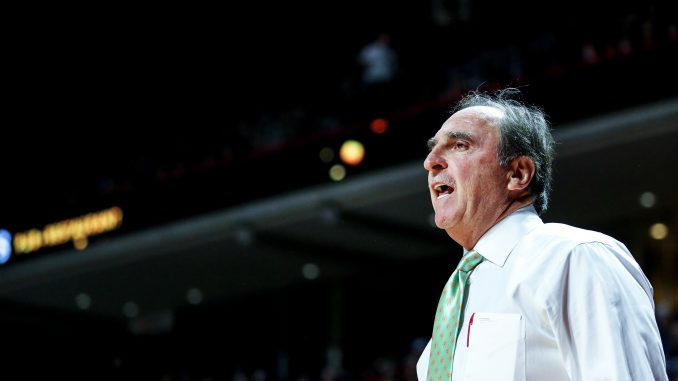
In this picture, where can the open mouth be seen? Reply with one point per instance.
(442, 190)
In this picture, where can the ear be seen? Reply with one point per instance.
(521, 171)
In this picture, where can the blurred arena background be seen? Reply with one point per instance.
(217, 193)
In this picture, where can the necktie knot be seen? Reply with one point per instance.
(469, 261)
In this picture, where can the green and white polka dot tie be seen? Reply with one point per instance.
(448, 319)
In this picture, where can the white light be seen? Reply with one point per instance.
(659, 231)
(130, 309)
(647, 199)
(194, 296)
(310, 271)
(83, 301)
(337, 172)
(352, 152)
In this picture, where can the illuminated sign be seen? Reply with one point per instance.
(5, 246)
(73, 229)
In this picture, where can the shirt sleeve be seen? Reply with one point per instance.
(603, 317)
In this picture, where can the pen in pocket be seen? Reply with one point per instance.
(470, 323)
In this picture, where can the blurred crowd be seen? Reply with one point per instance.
(388, 77)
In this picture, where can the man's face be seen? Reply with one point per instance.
(468, 186)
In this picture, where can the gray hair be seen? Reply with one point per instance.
(523, 131)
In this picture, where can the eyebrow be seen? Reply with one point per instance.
(452, 135)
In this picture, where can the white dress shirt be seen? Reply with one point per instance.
(554, 302)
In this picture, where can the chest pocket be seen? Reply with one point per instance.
(496, 348)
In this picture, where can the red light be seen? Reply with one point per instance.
(379, 125)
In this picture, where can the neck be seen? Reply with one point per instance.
(469, 238)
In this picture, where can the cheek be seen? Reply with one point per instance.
(482, 183)
(490, 185)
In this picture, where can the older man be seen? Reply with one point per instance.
(528, 300)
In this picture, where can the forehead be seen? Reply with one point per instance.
(476, 119)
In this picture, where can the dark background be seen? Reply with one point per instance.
(158, 109)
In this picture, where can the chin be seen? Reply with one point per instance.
(441, 222)
(446, 221)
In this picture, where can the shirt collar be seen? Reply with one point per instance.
(496, 244)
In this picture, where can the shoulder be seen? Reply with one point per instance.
(584, 247)
(563, 246)
(569, 237)
(581, 253)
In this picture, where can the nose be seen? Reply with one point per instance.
(434, 162)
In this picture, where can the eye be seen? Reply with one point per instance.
(460, 145)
